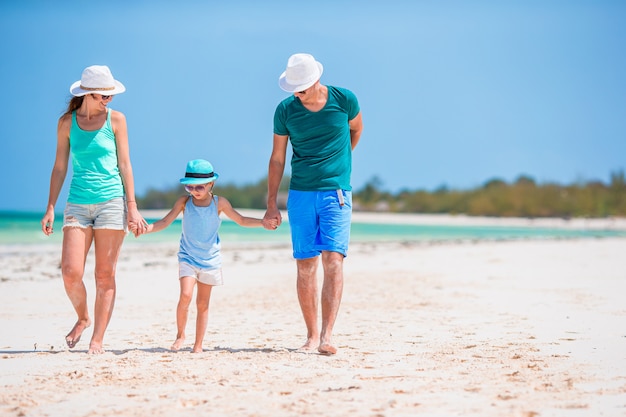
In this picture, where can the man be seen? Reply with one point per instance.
(323, 124)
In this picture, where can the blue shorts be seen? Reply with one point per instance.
(319, 221)
(110, 214)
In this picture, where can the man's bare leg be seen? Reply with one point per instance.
(332, 291)
(307, 296)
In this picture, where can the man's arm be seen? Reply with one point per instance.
(275, 175)
(356, 127)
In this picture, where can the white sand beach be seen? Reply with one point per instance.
(521, 329)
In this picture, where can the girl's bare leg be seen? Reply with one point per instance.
(202, 304)
(107, 249)
(76, 244)
(186, 293)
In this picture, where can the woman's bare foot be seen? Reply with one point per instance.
(73, 337)
(197, 349)
(178, 343)
(326, 349)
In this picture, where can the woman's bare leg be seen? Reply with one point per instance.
(107, 250)
(76, 244)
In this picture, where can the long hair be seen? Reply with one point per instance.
(75, 103)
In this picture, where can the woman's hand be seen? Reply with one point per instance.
(47, 222)
(136, 223)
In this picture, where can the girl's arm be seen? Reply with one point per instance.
(179, 206)
(224, 206)
(159, 225)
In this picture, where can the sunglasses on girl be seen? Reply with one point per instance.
(198, 188)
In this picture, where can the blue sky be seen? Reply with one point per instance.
(452, 92)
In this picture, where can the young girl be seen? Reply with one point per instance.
(199, 258)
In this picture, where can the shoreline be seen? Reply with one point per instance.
(366, 217)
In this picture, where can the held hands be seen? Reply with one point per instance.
(136, 223)
(136, 228)
(272, 219)
(270, 224)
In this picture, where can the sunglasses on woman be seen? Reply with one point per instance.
(102, 96)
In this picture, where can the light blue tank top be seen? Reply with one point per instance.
(200, 243)
(96, 177)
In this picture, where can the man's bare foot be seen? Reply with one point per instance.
(326, 349)
(73, 337)
(309, 345)
(95, 349)
(178, 343)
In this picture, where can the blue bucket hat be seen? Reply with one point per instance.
(199, 171)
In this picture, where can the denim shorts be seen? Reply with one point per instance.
(319, 221)
(205, 276)
(110, 214)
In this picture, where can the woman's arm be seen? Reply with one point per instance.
(59, 171)
(118, 121)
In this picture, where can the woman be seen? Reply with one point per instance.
(101, 201)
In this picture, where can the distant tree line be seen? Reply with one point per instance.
(521, 198)
(246, 196)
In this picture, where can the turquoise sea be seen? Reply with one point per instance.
(24, 228)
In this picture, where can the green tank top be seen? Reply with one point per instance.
(96, 176)
(322, 152)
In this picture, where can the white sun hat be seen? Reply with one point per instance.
(301, 73)
(97, 79)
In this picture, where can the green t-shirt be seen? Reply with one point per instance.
(322, 153)
(96, 176)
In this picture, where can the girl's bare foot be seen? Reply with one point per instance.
(73, 337)
(178, 343)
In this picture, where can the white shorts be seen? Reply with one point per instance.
(205, 276)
